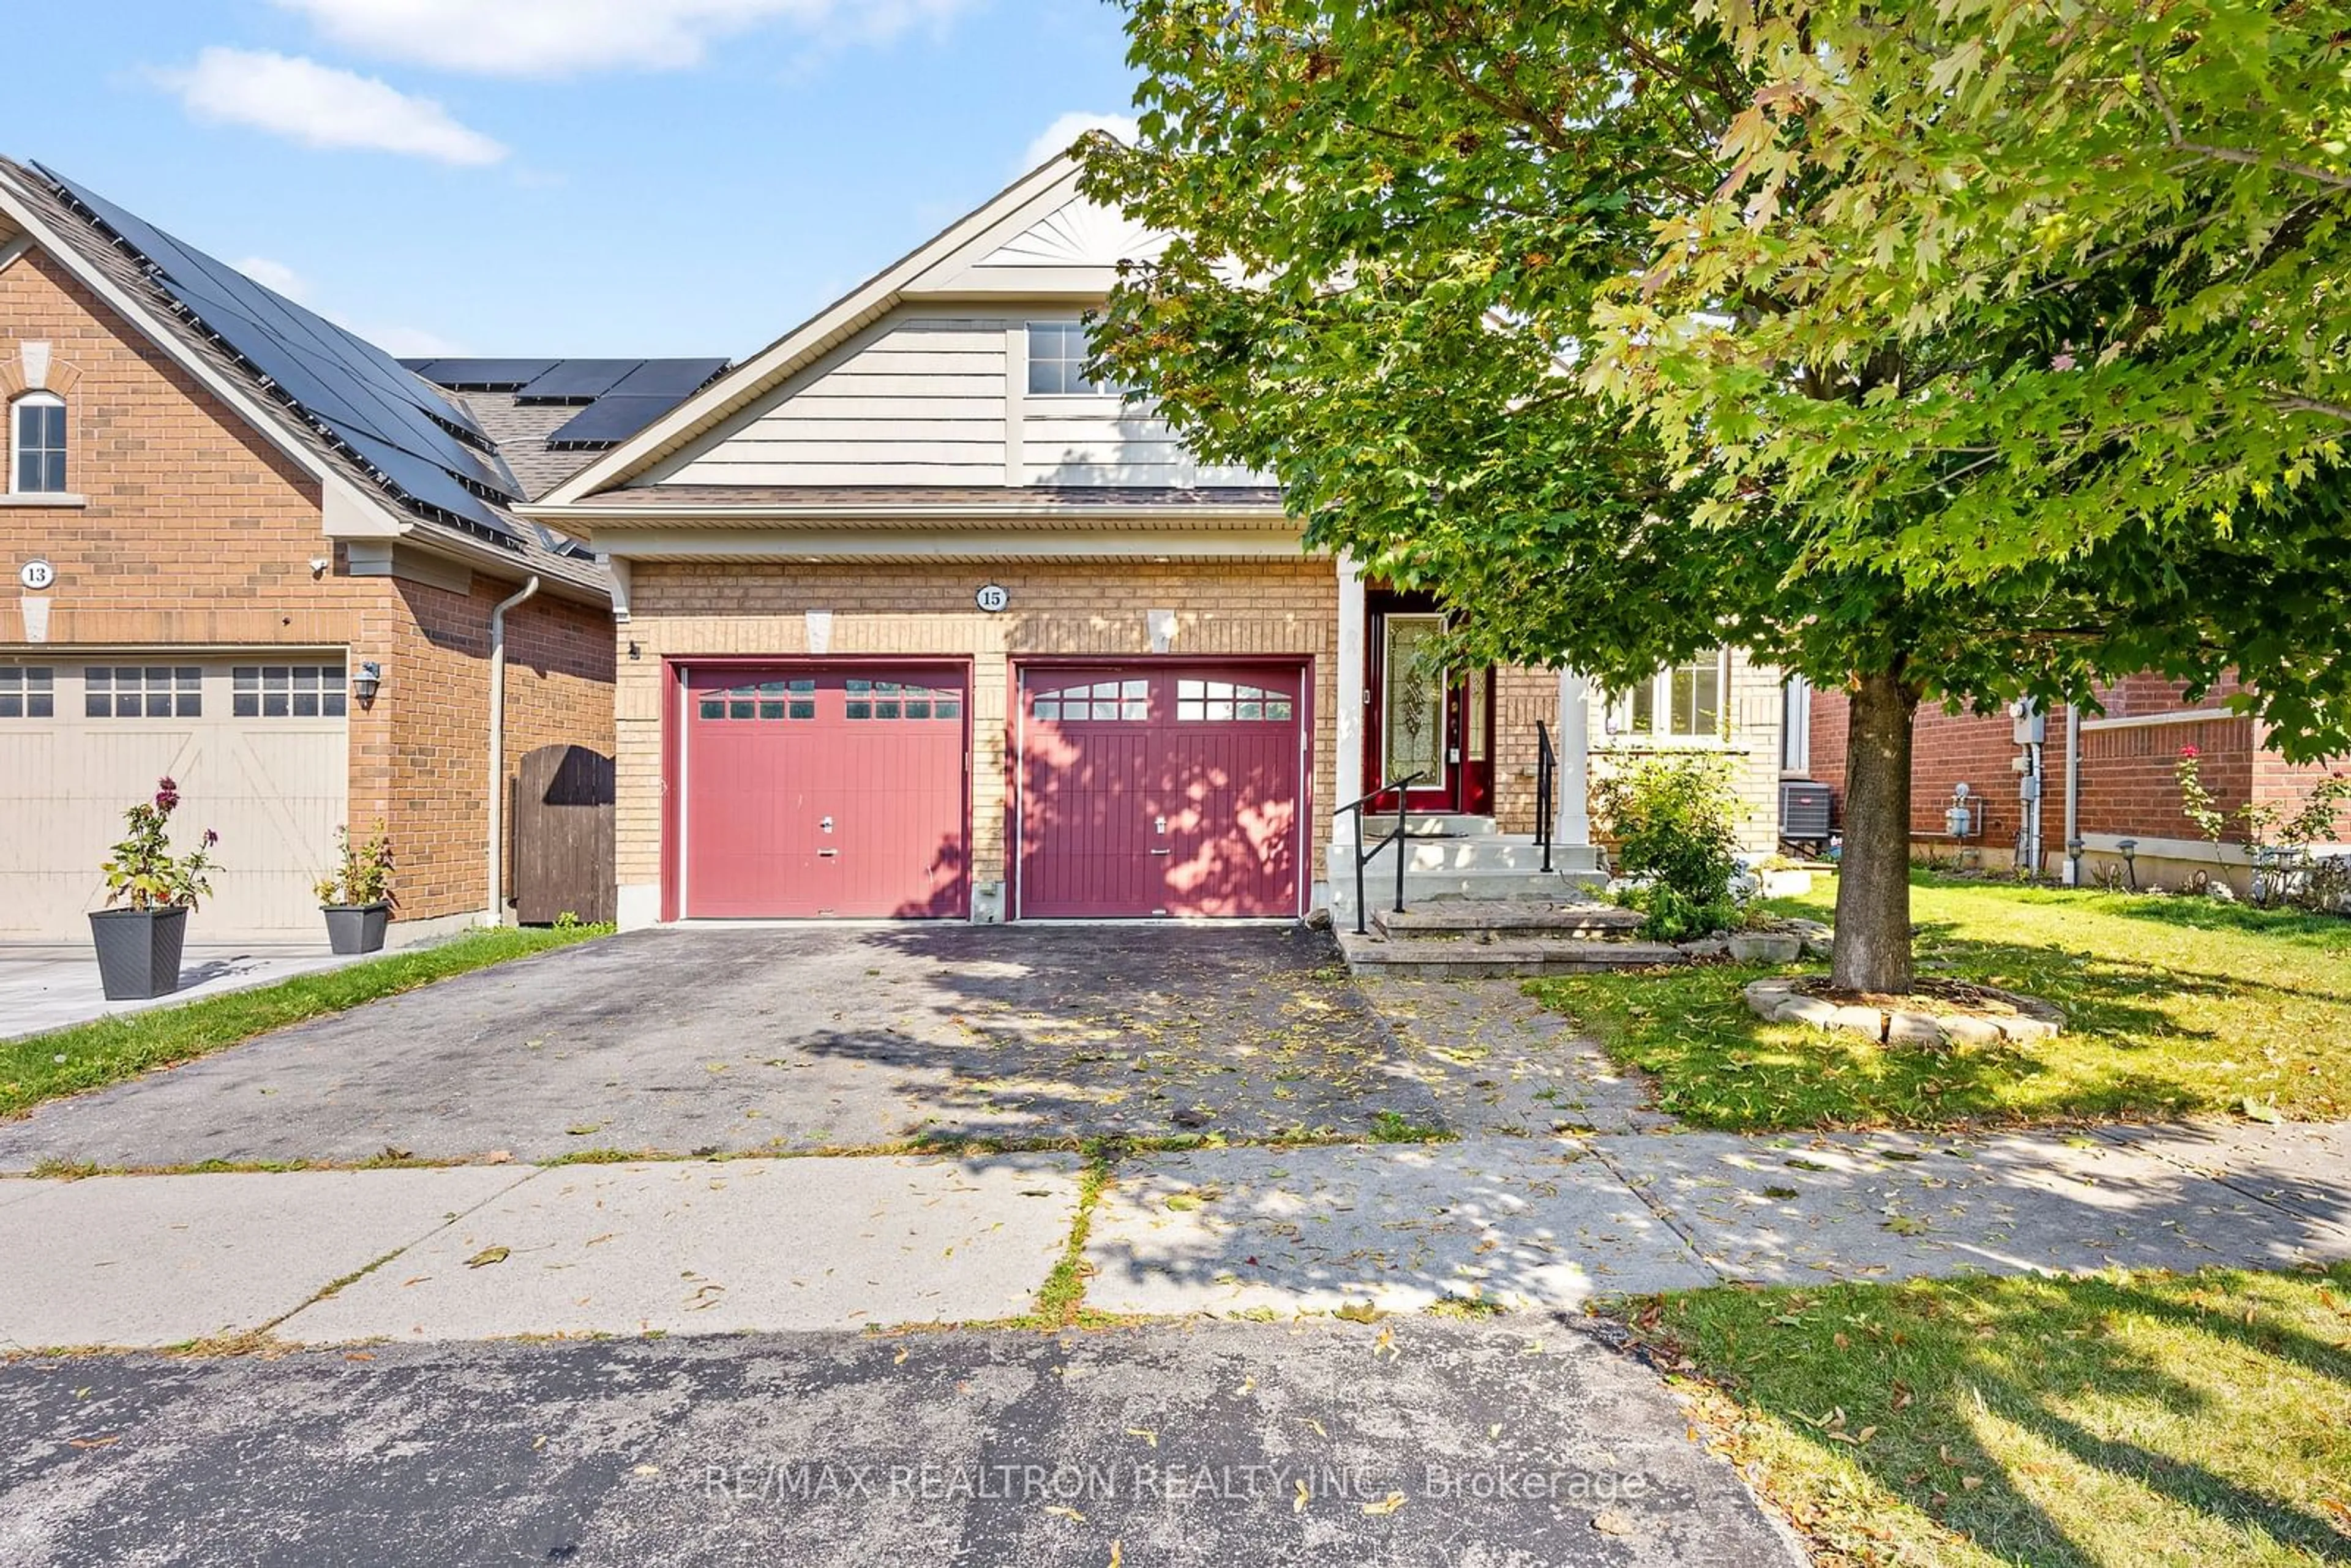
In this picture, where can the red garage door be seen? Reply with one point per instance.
(1154, 790)
(813, 791)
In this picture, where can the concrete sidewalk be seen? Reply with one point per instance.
(488, 1251)
(1532, 1225)
(46, 987)
(1547, 1223)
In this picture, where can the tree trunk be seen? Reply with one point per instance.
(1873, 913)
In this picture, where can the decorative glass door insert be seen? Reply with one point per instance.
(1412, 731)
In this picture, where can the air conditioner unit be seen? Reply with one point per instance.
(1804, 811)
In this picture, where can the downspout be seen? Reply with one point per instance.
(496, 914)
(2073, 794)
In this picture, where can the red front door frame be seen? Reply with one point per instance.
(1302, 667)
(677, 673)
(1466, 737)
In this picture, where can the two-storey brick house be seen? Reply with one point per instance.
(246, 549)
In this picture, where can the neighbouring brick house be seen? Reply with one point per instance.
(202, 563)
(915, 619)
(2128, 788)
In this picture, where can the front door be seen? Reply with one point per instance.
(1424, 719)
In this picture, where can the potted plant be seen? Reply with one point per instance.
(355, 896)
(138, 947)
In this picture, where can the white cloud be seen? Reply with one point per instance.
(556, 37)
(323, 107)
(1055, 139)
(275, 275)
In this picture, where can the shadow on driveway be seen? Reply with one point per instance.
(707, 1039)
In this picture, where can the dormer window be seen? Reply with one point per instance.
(37, 443)
(1056, 360)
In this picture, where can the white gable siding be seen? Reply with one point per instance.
(935, 396)
(919, 400)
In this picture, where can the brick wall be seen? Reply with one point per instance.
(1522, 698)
(198, 533)
(1263, 608)
(2129, 782)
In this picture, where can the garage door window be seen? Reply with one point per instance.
(900, 700)
(150, 691)
(758, 700)
(1228, 702)
(1126, 701)
(28, 693)
(287, 691)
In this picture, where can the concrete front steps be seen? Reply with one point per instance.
(1459, 858)
(1481, 938)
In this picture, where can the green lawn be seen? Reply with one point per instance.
(2200, 1419)
(2173, 1006)
(90, 1055)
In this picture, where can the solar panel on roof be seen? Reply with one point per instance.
(674, 379)
(403, 428)
(609, 419)
(582, 381)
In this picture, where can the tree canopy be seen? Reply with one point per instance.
(1632, 334)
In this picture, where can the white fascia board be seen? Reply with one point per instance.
(986, 226)
(952, 544)
(1084, 285)
(587, 516)
(243, 400)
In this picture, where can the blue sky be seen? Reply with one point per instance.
(556, 176)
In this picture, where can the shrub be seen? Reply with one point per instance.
(1675, 821)
(144, 871)
(362, 874)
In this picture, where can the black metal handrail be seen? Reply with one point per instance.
(1546, 786)
(1395, 835)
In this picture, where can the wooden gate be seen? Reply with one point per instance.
(563, 836)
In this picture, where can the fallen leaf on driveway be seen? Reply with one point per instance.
(1387, 1504)
(93, 1442)
(646, 1470)
(487, 1256)
(1059, 1511)
(1609, 1521)
(1149, 1436)
(498, 1158)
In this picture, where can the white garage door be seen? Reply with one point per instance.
(257, 745)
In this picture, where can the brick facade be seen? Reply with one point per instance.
(1285, 609)
(199, 535)
(2129, 784)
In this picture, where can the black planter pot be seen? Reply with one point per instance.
(139, 951)
(355, 927)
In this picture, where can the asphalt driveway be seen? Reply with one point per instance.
(707, 1039)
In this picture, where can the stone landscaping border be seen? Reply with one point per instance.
(1776, 1000)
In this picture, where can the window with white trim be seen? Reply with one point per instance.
(37, 444)
(1058, 352)
(1796, 726)
(142, 691)
(26, 692)
(1685, 702)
